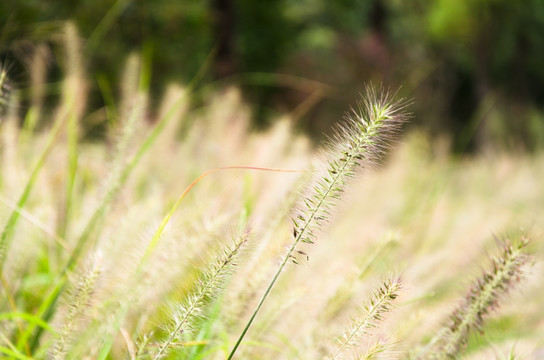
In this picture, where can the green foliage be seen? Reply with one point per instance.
(464, 56)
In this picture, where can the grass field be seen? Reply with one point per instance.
(104, 256)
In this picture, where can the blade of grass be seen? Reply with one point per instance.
(104, 25)
(107, 96)
(206, 330)
(36, 222)
(14, 353)
(156, 237)
(7, 232)
(72, 99)
(11, 350)
(28, 317)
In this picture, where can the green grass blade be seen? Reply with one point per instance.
(28, 317)
(13, 354)
(9, 229)
(44, 313)
(105, 24)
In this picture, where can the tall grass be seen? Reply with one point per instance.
(358, 144)
(111, 249)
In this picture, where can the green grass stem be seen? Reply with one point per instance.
(362, 140)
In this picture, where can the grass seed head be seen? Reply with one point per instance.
(378, 306)
(482, 299)
(359, 143)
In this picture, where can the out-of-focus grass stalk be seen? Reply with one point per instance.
(38, 76)
(482, 299)
(104, 25)
(77, 303)
(73, 99)
(12, 351)
(5, 90)
(9, 228)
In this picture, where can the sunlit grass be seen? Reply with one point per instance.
(100, 237)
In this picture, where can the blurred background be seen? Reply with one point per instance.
(472, 67)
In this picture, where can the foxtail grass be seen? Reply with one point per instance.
(108, 314)
(77, 304)
(482, 299)
(379, 305)
(9, 228)
(212, 280)
(360, 143)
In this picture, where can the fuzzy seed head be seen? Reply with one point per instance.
(211, 282)
(482, 299)
(360, 143)
(379, 305)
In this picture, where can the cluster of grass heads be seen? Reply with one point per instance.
(111, 249)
